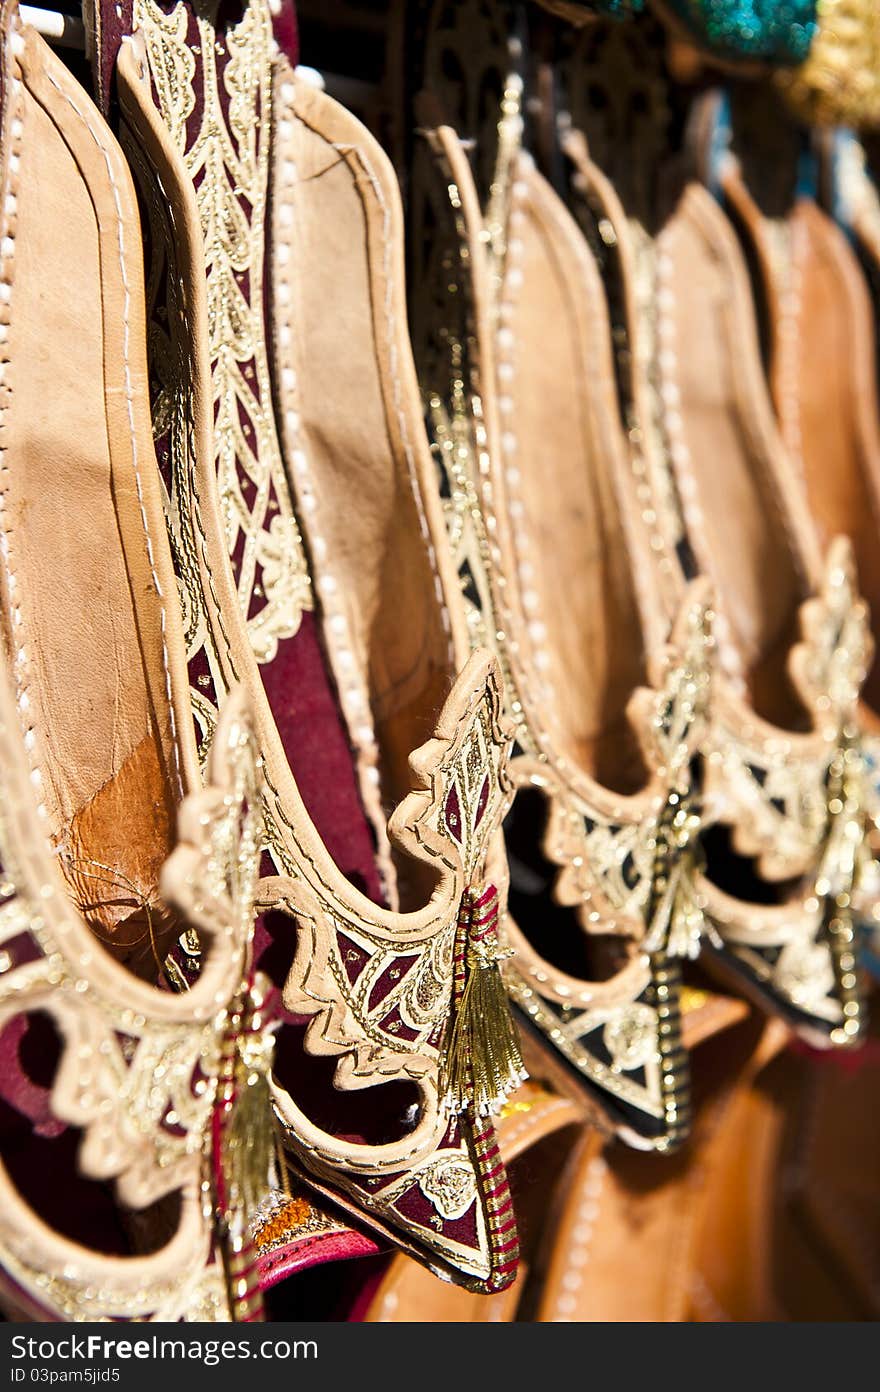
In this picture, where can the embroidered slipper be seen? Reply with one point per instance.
(537, 1130)
(807, 280)
(783, 762)
(809, 283)
(283, 389)
(532, 470)
(598, 1222)
(769, 1214)
(125, 1183)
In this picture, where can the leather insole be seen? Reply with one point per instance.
(564, 410)
(360, 422)
(743, 533)
(83, 621)
(822, 376)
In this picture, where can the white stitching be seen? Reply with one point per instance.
(129, 400)
(505, 373)
(565, 1302)
(7, 254)
(351, 687)
(398, 404)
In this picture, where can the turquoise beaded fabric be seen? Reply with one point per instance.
(772, 31)
(611, 9)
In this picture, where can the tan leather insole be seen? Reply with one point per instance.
(360, 426)
(82, 617)
(822, 373)
(743, 536)
(789, 1228)
(626, 1226)
(563, 409)
(839, 426)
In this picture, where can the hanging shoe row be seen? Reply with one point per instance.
(438, 710)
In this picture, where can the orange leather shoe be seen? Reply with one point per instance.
(626, 1230)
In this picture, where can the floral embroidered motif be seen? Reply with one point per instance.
(387, 1002)
(451, 1188)
(227, 158)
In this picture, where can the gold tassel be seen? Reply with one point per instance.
(675, 918)
(242, 1141)
(249, 1136)
(845, 847)
(484, 1063)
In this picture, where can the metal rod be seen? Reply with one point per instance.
(62, 29)
(69, 32)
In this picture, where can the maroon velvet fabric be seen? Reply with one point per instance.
(112, 23)
(29, 1054)
(287, 32)
(39, 1153)
(310, 725)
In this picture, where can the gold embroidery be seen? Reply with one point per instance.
(283, 1218)
(228, 161)
(137, 1077)
(611, 868)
